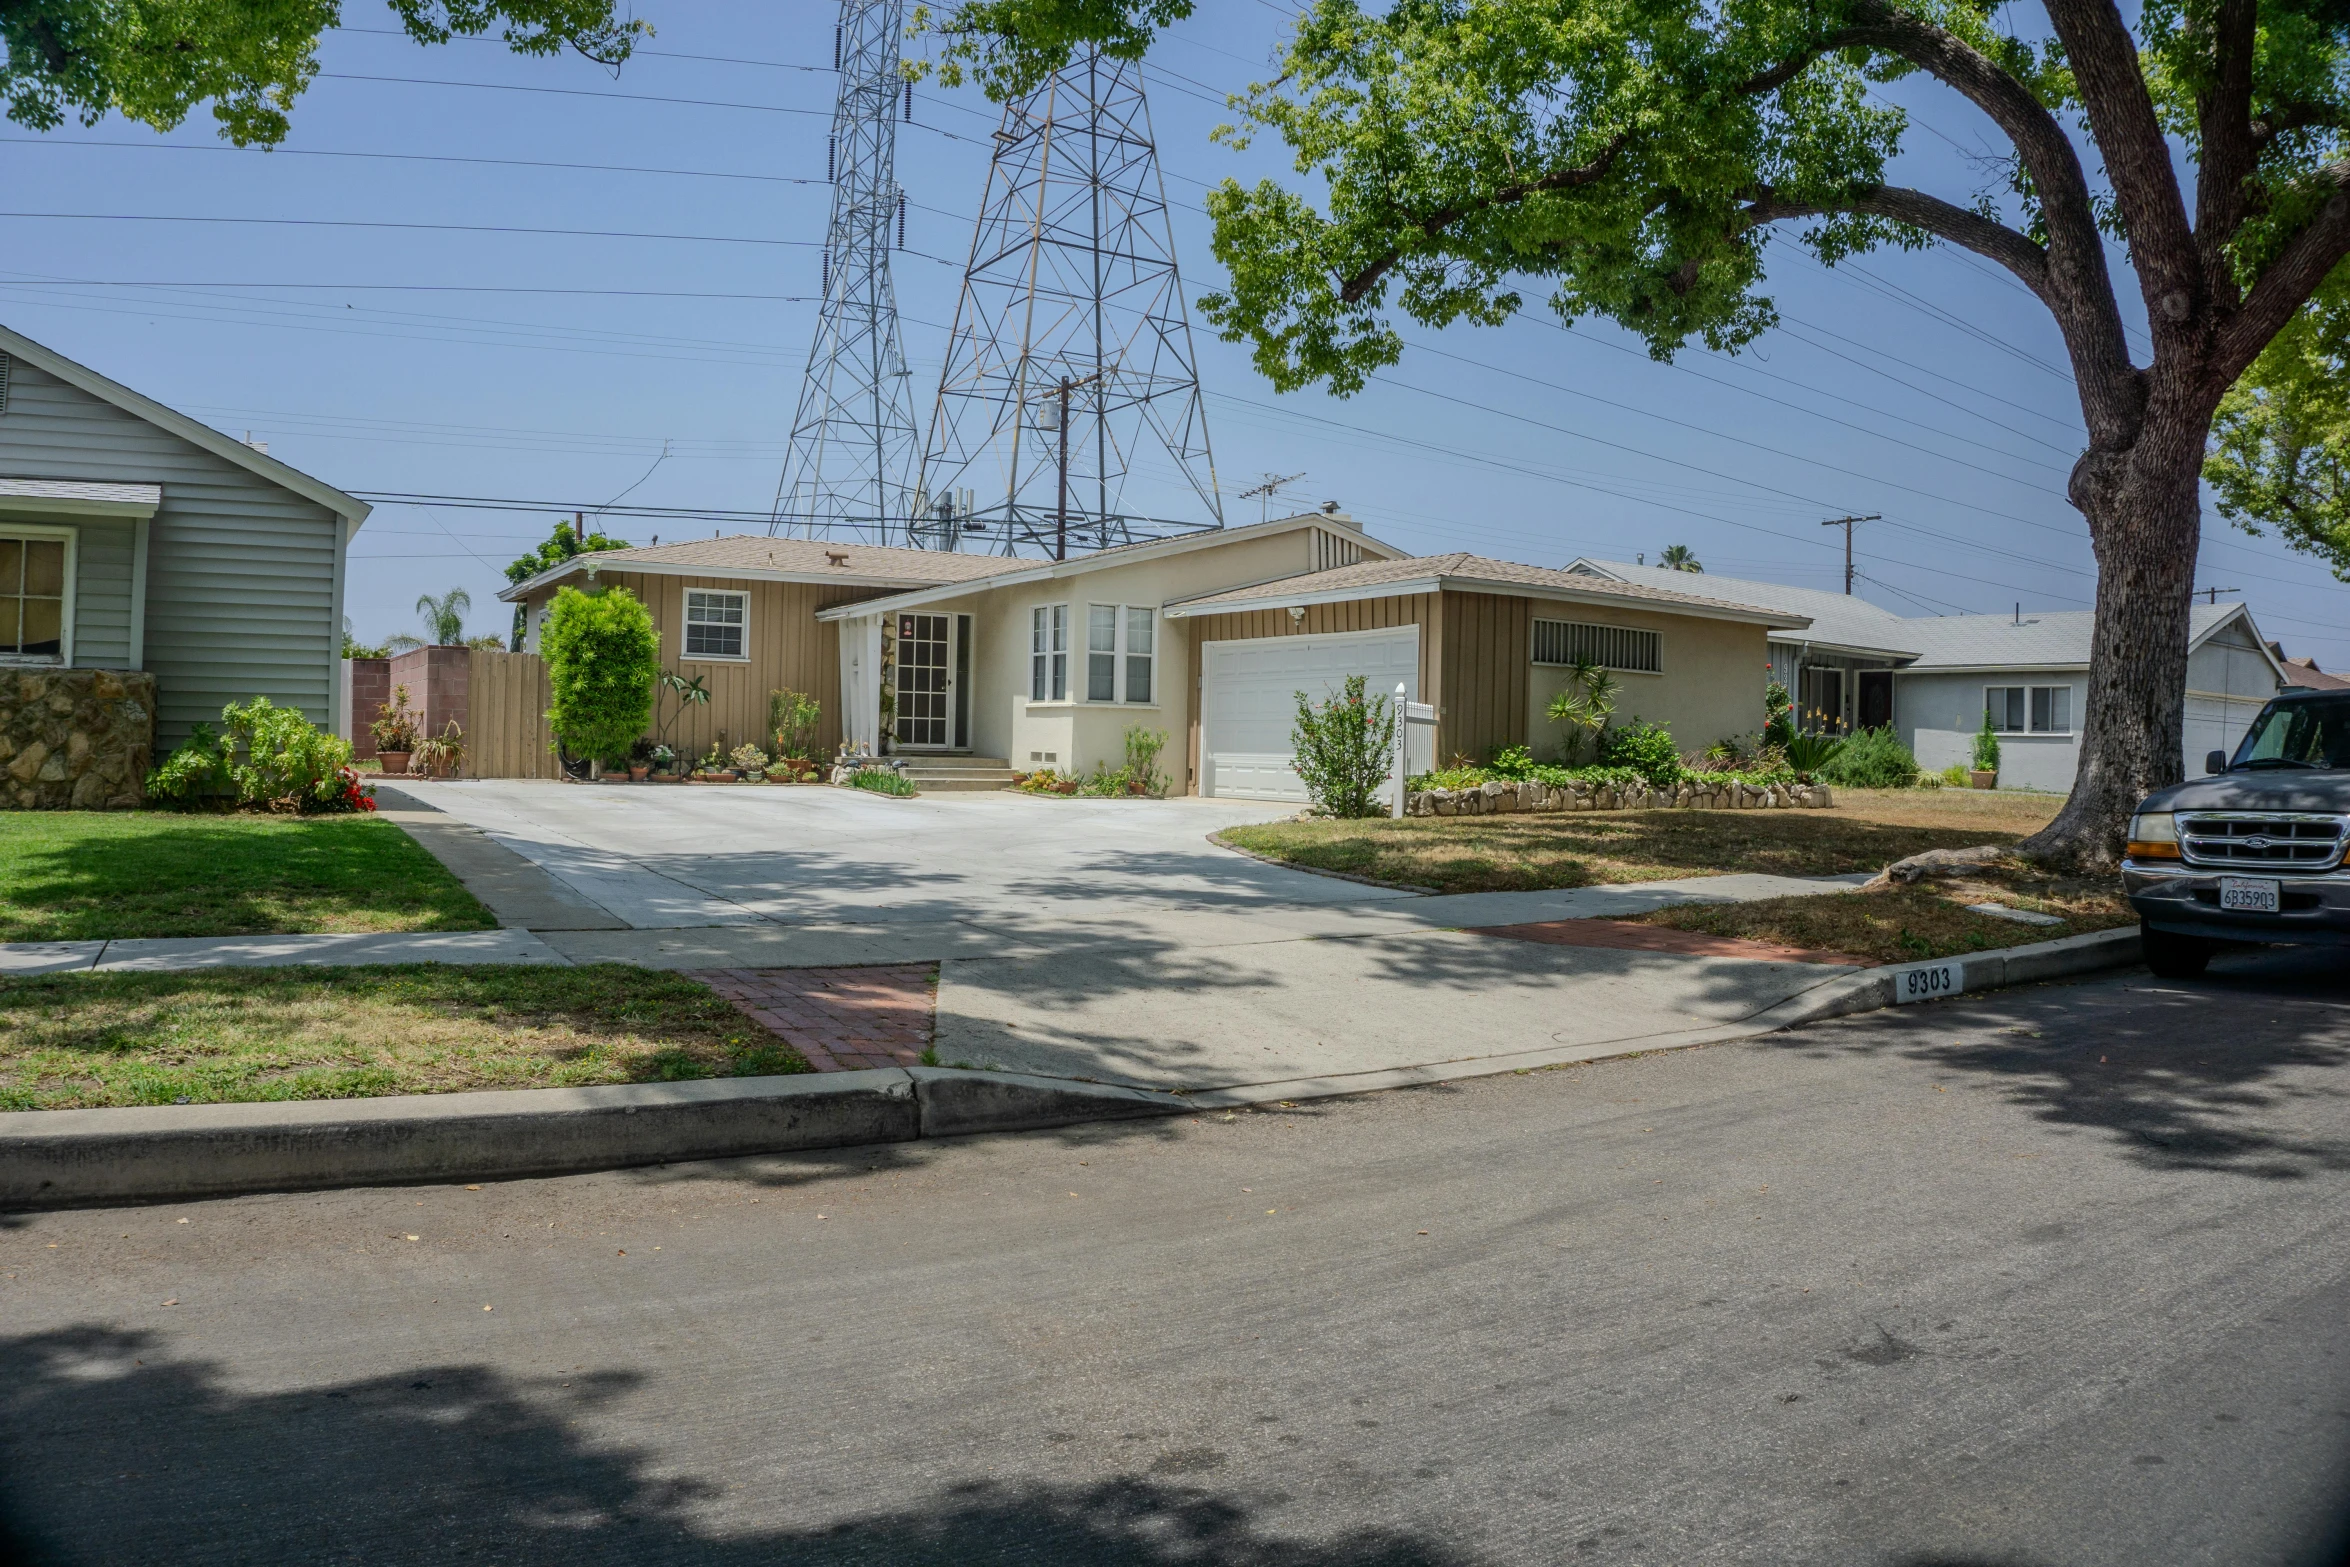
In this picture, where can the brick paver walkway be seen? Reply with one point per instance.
(1623, 934)
(841, 1019)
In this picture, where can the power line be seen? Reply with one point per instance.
(402, 157)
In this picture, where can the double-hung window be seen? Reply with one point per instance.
(1048, 653)
(1121, 652)
(32, 596)
(717, 624)
(2038, 710)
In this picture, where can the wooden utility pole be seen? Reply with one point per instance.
(1846, 524)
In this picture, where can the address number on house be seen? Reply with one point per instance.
(1928, 982)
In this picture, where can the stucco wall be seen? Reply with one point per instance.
(1710, 689)
(1939, 714)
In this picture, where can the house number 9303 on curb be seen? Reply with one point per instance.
(1928, 982)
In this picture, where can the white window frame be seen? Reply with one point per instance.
(1048, 653)
(1122, 655)
(686, 633)
(2031, 705)
(72, 539)
(1599, 636)
(2002, 727)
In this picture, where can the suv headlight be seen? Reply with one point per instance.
(2154, 835)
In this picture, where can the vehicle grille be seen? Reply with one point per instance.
(2264, 842)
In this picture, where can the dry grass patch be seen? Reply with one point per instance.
(1524, 853)
(2001, 815)
(1906, 924)
(214, 1035)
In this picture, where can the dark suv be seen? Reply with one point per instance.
(2254, 852)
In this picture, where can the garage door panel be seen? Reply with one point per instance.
(2214, 724)
(1249, 701)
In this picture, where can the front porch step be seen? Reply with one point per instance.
(946, 773)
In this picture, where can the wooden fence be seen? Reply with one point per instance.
(507, 736)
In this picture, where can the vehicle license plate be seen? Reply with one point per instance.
(1928, 982)
(2252, 894)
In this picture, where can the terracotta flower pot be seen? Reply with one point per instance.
(1984, 780)
(638, 774)
(393, 761)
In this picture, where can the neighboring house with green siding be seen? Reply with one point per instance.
(133, 537)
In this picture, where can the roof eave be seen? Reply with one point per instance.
(604, 562)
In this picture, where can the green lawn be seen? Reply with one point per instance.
(70, 1041)
(79, 875)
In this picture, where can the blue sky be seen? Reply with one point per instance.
(554, 367)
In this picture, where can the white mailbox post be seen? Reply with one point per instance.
(1408, 716)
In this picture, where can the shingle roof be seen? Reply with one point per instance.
(753, 554)
(2047, 639)
(1838, 619)
(1463, 570)
(2303, 672)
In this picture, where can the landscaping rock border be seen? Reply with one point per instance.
(1529, 795)
(75, 739)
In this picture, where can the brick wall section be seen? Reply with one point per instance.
(439, 682)
(82, 739)
(371, 688)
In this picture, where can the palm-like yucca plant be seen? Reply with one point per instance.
(1808, 751)
(1680, 557)
(1584, 704)
(444, 617)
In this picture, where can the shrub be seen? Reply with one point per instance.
(1955, 775)
(1872, 759)
(1142, 761)
(603, 656)
(883, 780)
(287, 759)
(1646, 749)
(1046, 781)
(1344, 749)
(792, 721)
(195, 773)
(1809, 753)
(1986, 746)
(1511, 761)
(1778, 713)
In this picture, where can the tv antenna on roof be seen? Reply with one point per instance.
(1263, 493)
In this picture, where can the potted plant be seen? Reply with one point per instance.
(395, 732)
(750, 763)
(442, 756)
(640, 759)
(1986, 770)
(663, 759)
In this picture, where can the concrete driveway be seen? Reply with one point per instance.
(1110, 940)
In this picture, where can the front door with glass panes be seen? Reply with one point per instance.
(926, 682)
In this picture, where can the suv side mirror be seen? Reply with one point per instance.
(2216, 762)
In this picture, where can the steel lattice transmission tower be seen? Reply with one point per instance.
(854, 442)
(1069, 375)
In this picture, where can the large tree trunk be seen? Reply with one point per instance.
(2145, 522)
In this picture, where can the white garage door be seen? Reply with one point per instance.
(1249, 701)
(2215, 723)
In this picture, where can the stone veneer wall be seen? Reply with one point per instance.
(82, 739)
(1505, 798)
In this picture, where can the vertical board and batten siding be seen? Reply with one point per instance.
(507, 698)
(788, 648)
(1412, 609)
(240, 573)
(1488, 660)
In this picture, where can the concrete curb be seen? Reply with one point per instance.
(90, 1158)
(1870, 989)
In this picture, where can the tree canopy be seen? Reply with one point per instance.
(2280, 451)
(557, 547)
(155, 61)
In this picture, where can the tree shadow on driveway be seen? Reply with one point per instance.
(115, 1451)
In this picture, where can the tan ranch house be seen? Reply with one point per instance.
(972, 666)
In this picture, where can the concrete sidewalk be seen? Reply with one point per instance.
(192, 952)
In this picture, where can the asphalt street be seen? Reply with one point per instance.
(2053, 1276)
